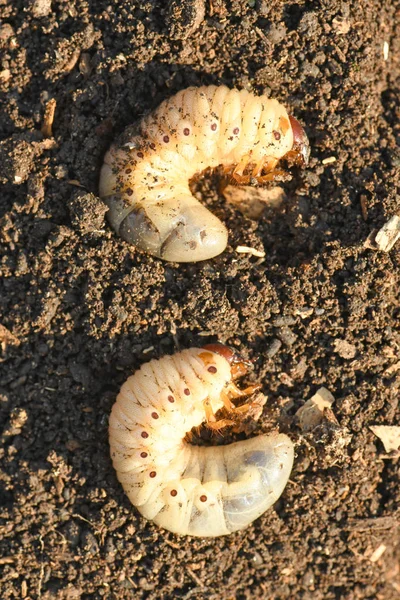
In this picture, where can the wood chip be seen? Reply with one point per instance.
(147, 350)
(47, 127)
(252, 251)
(389, 436)
(375, 556)
(388, 235)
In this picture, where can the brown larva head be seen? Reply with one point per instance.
(300, 152)
(239, 366)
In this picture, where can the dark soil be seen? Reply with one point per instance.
(81, 309)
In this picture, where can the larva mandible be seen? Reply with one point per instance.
(145, 176)
(187, 489)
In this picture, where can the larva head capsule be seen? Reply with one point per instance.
(239, 365)
(300, 152)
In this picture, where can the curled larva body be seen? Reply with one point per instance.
(145, 176)
(187, 489)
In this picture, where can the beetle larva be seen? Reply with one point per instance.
(193, 490)
(145, 177)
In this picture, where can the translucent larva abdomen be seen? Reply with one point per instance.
(187, 489)
(145, 176)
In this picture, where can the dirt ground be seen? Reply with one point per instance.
(81, 309)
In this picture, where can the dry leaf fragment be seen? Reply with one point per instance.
(388, 235)
(316, 409)
(375, 556)
(252, 201)
(389, 436)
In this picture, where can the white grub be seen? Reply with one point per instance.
(145, 176)
(315, 410)
(388, 235)
(187, 489)
(389, 436)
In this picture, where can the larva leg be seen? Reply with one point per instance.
(220, 424)
(235, 392)
(241, 179)
(227, 402)
(258, 168)
(210, 417)
(270, 177)
(240, 167)
(269, 165)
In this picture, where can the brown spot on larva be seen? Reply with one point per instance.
(192, 244)
(203, 234)
(186, 131)
(154, 415)
(152, 474)
(144, 434)
(171, 399)
(129, 192)
(203, 498)
(152, 146)
(173, 493)
(140, 154)
(214, 127)
(186, 391)
(166, 139)
(277, 135)
(212, 369)
(144, 454)
(128, 171)
(236, 130)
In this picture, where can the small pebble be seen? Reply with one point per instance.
(344, 349)
(273, 348)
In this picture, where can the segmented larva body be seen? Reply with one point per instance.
(187, 489)
(145, 176)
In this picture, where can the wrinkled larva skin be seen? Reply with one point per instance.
(145, 176)
(187, 489)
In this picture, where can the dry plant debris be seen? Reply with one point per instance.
(389, 436)
(316, 409)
